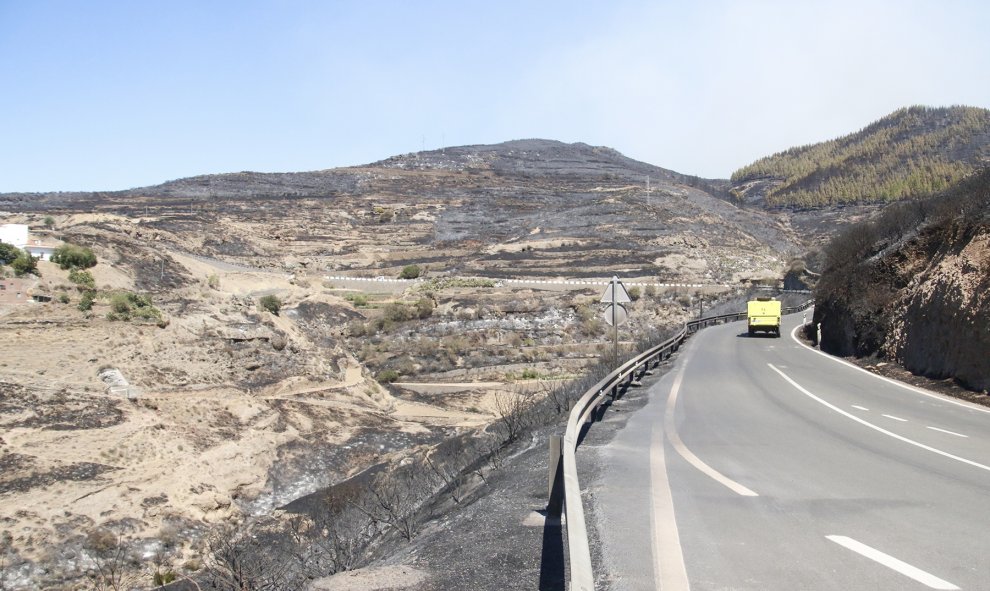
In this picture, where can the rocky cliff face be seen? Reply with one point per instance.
(944, 329)
(913, 286)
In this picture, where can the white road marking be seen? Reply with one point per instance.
(895, 418)
(877, 428)
(668, 558)
(861, 407)
(671, 429)
(921, 391)
(949, 432)
(927, 579)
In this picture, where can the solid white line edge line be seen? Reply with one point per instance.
(927, 579)
(914, 389)
(669, 570)
(875, 427)
(670, 428)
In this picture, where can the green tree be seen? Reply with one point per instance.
(387, 376)
(69, 256)
(8, 253)
(396, 312)
(125, 305)
(424, 308)
(25, 264)
(271, 303)
(84, 279)
(86, 301)
(410, 272)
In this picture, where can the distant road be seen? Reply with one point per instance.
(760, 464)
(540, 283)
(391, 284)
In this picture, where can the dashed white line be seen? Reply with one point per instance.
(895, 418)
(949, 432)
(856, 406)
(876, 427)
(927, 579)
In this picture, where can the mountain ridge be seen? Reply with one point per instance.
(524, 158)
(911, 152)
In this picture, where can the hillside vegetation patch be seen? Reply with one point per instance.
(909, 154)
(71, 256)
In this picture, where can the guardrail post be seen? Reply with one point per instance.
(555, 488)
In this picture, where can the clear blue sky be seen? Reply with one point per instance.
(98, 95)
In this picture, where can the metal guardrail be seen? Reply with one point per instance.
(579, 552)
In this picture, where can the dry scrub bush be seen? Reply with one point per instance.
(114, 567)
(238, 562)
(270, 303)
(393, 499)
(511, 418)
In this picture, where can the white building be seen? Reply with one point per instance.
(40, 247)
(16, 234)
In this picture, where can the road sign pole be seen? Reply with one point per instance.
(615, 295)
(615, 329)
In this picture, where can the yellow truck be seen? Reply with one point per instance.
(764, 316)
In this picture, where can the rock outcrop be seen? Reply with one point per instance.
(913, 286)
(944, 330)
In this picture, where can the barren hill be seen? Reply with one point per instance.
(530, 207)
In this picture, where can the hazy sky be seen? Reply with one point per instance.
(113, 95)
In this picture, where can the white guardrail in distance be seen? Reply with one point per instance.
(579, 551)
(502, 282)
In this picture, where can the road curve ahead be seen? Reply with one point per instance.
(761, 464)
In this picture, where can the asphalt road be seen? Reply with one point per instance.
(762, 464)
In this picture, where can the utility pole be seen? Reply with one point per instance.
(649, 202)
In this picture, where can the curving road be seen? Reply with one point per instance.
(762, 464)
